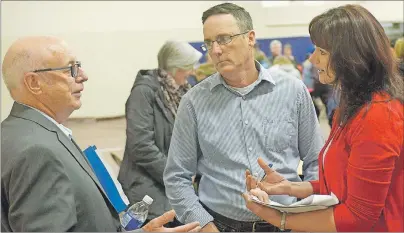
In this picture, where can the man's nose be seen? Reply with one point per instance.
(216, 48)
(82, 76)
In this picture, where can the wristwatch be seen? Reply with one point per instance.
(283, 221)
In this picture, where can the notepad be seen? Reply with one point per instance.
(310, 203)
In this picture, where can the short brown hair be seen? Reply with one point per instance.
(242, 16)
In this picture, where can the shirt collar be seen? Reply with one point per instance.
(263, 74)
(63, 128)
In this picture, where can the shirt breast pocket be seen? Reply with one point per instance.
(278, 133)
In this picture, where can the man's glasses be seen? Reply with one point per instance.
(221, 40)
(74, 69)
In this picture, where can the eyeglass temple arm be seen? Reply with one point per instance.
(50, 69)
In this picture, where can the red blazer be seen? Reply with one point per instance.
(363, 167)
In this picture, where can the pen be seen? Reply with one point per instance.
(269, 165)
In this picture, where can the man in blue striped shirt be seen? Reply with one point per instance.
(229, 120)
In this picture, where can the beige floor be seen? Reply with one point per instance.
(109, 134)
(106, 134)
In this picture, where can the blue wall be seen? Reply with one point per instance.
(300, 45)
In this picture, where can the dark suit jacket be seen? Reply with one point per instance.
(46, 182)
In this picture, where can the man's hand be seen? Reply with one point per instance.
(156, 225)
(210, 227)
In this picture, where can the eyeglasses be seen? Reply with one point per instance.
(74, 69)
(221, 40)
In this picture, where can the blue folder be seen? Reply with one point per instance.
(105, 179)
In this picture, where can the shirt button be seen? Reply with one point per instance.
(243, 97)
(246, 122)
(250, 148)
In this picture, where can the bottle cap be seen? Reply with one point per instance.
(148, 199)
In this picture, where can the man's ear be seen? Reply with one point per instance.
(251, 38)
(33, 83)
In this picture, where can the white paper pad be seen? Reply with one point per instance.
(310, 203)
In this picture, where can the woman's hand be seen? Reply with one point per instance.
(268, 214)
(274, 183)
(260, 194)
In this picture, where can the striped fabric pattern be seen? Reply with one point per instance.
(219, 134)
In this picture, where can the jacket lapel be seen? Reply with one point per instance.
(27, 113)
(74, 150)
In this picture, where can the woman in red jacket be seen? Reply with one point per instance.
(362, 161)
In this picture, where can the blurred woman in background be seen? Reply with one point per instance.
(362, 160)
(150, 113)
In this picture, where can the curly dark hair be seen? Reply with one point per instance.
(360, 56)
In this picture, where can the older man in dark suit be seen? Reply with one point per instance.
(46, 181)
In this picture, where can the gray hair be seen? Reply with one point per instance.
(14, 69)
(242, 16)
(274, 43)
(177, 54)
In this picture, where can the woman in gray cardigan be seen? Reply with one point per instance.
(150, 113)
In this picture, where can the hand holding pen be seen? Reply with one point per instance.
(272, 182)
(262, 179)
(252, 180)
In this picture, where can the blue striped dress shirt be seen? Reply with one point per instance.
(220, 133)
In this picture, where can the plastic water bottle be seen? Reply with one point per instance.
(136, 215)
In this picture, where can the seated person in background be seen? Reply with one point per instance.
(288, 53)
(47, 183)
(205, 69)
(285, 65)
(229, 119)
(151, 110)
(362, 162)
(260, 56)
